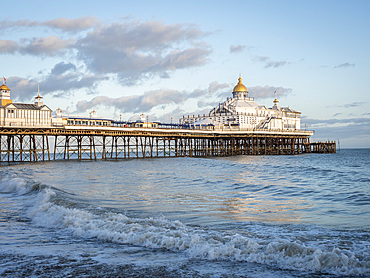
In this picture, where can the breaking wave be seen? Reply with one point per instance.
(46, 210)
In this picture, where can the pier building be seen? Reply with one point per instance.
(23, 114)
(61, 120)
(241, 112)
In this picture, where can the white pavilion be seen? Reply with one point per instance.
(241, 112)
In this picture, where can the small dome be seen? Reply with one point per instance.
(240, 87)
(4, 87)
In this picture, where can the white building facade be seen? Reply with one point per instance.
(22, 114)
(241, 112)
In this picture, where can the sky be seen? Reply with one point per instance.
(167, 59)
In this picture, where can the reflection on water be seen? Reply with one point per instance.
(305, 189)
(255, 208)
(212, 190)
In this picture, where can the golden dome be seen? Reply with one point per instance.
(4, 87)
(240, 87)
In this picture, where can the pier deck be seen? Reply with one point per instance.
(93, 143)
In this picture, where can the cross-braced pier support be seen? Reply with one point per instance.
(24, 147)
(33, 145)
(148, 146)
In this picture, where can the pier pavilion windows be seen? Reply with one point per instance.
(10, 113)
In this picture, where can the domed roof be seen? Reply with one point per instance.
(240, 87)
(4, 87)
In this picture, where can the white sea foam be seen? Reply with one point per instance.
(14, 185)
(194, 242)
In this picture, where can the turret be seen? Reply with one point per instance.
(276, 103)
(39, 100)
(240, 91)
(5, 94)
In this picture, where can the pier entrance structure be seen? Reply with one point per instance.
(23, 114)
(70, 142)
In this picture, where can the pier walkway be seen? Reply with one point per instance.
(93, 143)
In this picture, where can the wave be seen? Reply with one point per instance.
(44, 210)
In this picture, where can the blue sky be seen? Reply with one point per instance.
(170, 58)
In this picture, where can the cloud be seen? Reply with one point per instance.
(8, 46)
(215, 86)
(206, 104)
(268, 91)
(62, 81)
(129, 51)
(172, 116)
(135, 50)
(149, 100)
(347, 131)
(353, 104)
(22, 88)
(269, 63)
(73, 25)
(47, 46)
(206, 99)
(348, 105)
(332, 122)
(64, 24)
(134, 104)
(62, 67)
(237, 48)
(345, 65)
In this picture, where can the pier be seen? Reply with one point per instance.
(237, 126)
(94, 143)
(324, 147)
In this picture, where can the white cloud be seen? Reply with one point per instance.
(8, 46)
(62, 81)
(135, 50)
(64, 24)
(47, 46)
(135, 103)
(129, 51)
(72, 25)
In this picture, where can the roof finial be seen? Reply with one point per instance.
(38, 89)
(4, 80)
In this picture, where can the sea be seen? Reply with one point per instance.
(241, 216)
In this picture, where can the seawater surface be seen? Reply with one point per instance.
(241, 216)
